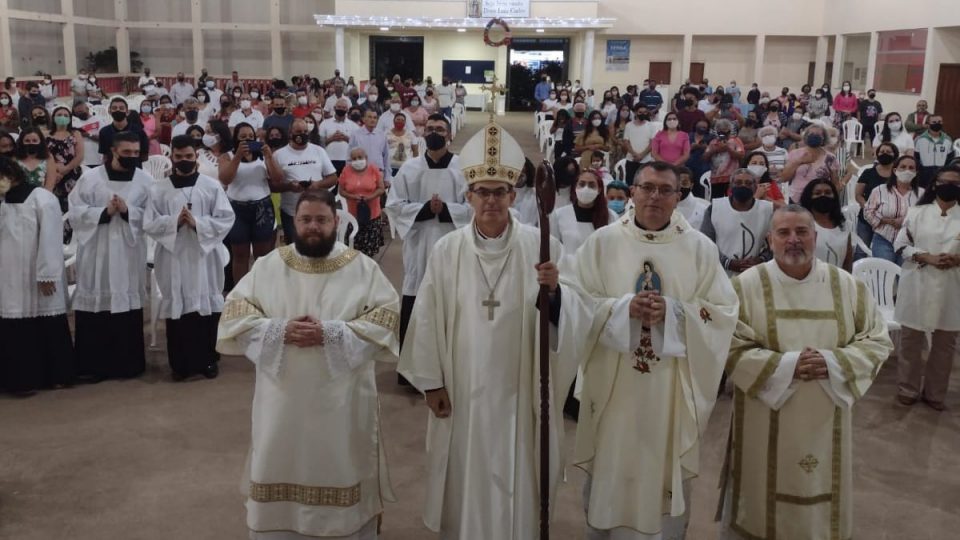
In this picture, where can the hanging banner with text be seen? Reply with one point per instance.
(618, 54)
(504, 9)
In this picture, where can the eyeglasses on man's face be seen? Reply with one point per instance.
(650, 189)
(484, 193)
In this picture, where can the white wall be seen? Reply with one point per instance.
(786, 61)
(159, 10)
(643, 50)
(856, 54)
(164, 51)
(97, 9)
(36, 46)
(226, 50)
(302, 11)
(235, 11)
(727, 17)
(856, 16)
(308, 53)
(725, 58)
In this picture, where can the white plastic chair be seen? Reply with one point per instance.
(69, 260)
(853, 135)
(100, 111)
(707, 188)
(956, 147)
(881, 277)
(165, 150)
(347, 230)
(549, 152)
(153, 291)
(620, 170)
(544, 135)
(538, 118)
(851, 212)
(158, 166)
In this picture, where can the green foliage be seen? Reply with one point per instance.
(105, 61)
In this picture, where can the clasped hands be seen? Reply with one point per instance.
(116, 206)
(811, 365)
(649, 308)
(436, 204)
(303, 332)
(942, 261)
(186, 218)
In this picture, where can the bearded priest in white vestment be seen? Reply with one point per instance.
(665, 312)
(313, 316)
(809, 342)
(473, 350)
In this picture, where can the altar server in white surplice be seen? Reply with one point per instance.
(189, 215)
(739, 224)
(106, 212)
(313, 316)
(426, 201)
(473, 350)
(808, 344)
(663, 318)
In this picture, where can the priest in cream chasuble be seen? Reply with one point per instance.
(809, 342)
(472, 348)
(313, 316)
(664, 315)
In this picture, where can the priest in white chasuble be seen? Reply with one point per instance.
(189, 215)
(664, 315)
(473, 350)
(313, 316)
(36, 350)
(426, 201)
(106, 212)
(809, 342)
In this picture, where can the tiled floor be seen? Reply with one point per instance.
(149, 459)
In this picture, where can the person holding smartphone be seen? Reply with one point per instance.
(305, 166)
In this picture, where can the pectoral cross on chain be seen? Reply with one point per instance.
(490, 303)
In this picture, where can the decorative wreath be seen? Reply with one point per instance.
(506, 37)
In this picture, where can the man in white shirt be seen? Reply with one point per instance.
(181, 90)
(335, 133)
(246, 113)
(78, 86)
(386, 119)
(146, 81)
(89, 128)
(638, 135)
(214, 93)
(331, 102)
(739, 224)
(234, 83)
(307, 166)
(191, 112)
(445, 98)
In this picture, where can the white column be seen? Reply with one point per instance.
(687, 57)
(759, 50)
(196, 16)
(69, 38)
(6, 54)
(586, 75)
(123, 38)
(276, 46)
(338, 48)
(872, 59)
(931, 72)
(820, 64)
(839, 47)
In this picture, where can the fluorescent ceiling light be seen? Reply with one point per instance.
(384, 28)
(540, 30)
(461, 29)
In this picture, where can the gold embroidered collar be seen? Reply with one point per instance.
(678, 225)
(316, 266)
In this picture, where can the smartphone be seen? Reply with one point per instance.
(255, 146)
(305, 184)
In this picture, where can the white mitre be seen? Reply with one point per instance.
(492, 155)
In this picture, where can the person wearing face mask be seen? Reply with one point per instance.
(35, 159)
(869, 114)
(78, 86)
(331, 101)
(418, 115)
(700, 139)
(595, 138)
(303, 107)
(402, 143)
(894, 132)
(818, 105)
(146, 81)
(542, 91)
(48, 90)
(361, 184)
(618, 196)
(394, 110)
(652, 98)
(776, 155)
(40, 119)
(724, 154)
(929, 292)
(739, 224)
(8, 146)
(9, 117)
(430, 102)
(617, 128)
(870, 179)
(670, 144)
(181, 89)
(790, 131)
(845, 105)
(693, 208)
(88, 127)
(917, 121)
(305, 166)
(189, 215)
(335, 134)
(370, 100)
(67, 150)
(28, 102)
(887, 207)
(213, 93)
(246, 113)
(809, 162)
(191, 114)
(235, 84)
(690, 114)
(148, 121)
(834, 233)
(524, 207)
(934, 149)
(638, 136)
(549, 104)
(279, 116)
(107, 206)
(36, 350)
(774, 117)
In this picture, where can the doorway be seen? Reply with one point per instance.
(948, 97)
(660, 72)
(827, 75)
(527, 60)
(696, 72)
(401, 55)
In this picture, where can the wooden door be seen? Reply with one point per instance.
(696, 72)
(660, 72)
(948, 98)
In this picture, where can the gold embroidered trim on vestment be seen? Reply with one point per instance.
(738, 412)
(773, 337)
(773, 441)
(387, 318)
(838, 306)
(316, 266)
(835, 474)
(306, 495)
(239, 308)
(806, 314)
(768, 370)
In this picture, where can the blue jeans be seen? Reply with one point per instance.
(883, 249)
(865, 232)
(289, 230)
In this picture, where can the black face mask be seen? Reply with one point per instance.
(299, 138)
(702, 130)
(129, 162)
(82, 115)
(39, 120)
(435, 141)
(684, 193)
(823, 205)
(279, 110)
(31, 149)
(936, 126)
(355, 117)
(118, 116)
(184, 167)
(340, 113)
(192, 116)
(948, 192)
(275, 143)
(742, 194)
(885, 159)
(643, 116)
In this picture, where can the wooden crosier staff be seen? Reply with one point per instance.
(546, 198)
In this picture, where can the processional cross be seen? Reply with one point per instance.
(494, 88)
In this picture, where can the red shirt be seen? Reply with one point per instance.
(302, 111)
(847, 104)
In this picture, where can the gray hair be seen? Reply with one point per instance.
(745, 171)
(723, 123)
(793, 208)
(191, 101)
(766, 130)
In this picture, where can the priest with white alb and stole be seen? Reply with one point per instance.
(189, 215)
(313, 316)
(809, 342)
(35, 346)
(425, 202)
(472, 348)
(106, 212)
(654, 353)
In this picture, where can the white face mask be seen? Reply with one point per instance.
(255, 95)
(596, 122)
(4, 102)
(245, 104)
(302, 100)
(769, 140)
(359, 164)
(414, 102)
(894, 126)
(797, 116)
(372, 97)
(146, 109)
(846, 88)
(202, 98)
(210, 140)
(587, 195)
(395, 107)
(757, 170)
(672, 124)
(210, 84)
(905, 177)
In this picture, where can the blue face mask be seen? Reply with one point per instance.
(814, 140)
(617, 206)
